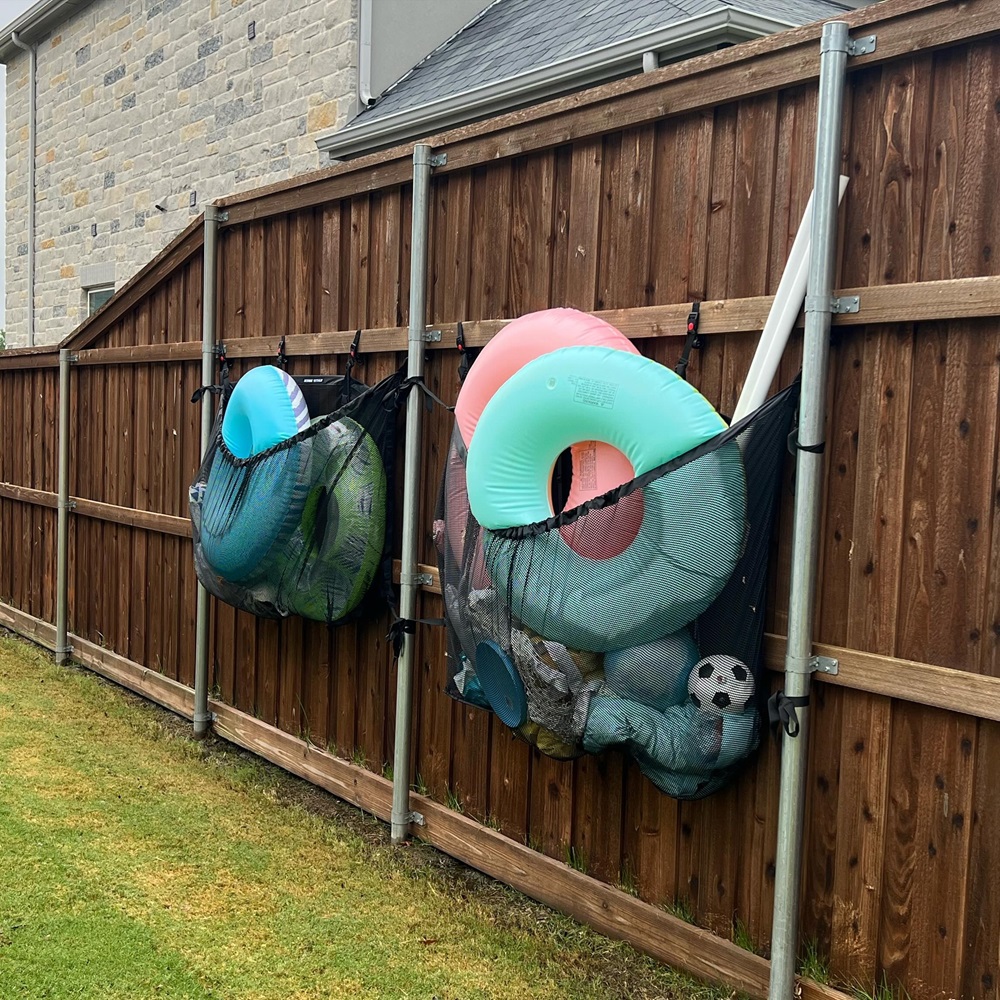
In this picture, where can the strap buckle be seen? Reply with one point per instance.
(353, 355)
(692, 340)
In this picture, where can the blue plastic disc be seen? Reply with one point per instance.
(501, 684)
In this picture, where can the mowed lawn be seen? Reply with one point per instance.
(138, 864)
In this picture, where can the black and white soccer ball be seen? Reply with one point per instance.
(720, 684)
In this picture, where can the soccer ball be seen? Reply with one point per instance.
(719, 684)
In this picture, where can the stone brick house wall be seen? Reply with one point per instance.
(169, 103)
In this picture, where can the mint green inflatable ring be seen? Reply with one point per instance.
(694, 518)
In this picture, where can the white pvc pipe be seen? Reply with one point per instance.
(781, 319)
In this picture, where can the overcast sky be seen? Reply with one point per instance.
(9, 9)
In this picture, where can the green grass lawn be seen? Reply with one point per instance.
(138, 864)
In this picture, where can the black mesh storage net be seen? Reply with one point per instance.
(302, 526)
(633, 620)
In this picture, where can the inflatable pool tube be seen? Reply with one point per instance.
(655, 673)
(679, 739)
(693, 519)
(458, 524)
(266, 407)
(597, 467)
(342, 525)
(249, 505)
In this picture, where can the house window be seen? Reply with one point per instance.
(96, 297)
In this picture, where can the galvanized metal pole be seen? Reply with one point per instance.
(808, 500)
(202, 716)
(63, 648)
(423, 162)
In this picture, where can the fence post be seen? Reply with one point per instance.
(834, 49)
(202, 716)
(63, 648)
(423, 163)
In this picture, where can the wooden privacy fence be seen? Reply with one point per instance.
(631, 200)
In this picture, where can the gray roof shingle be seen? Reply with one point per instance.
(511, 37)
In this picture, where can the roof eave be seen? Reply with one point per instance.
(727, 26)
(35, 23)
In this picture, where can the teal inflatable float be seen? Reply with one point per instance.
(693, 518)
(251, 506)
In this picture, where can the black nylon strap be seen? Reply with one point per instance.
(417, 382)
(355, 347)
(469, 354)
(781, 713)
(403, 627)
(692, 340)
(196, 396)
(225, 387)
(812, 449)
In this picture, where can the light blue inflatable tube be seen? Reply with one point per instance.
(654, 673)
(680, 750)
(694, 518)
(266, 407)
(249, 508)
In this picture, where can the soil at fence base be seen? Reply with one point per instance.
(621, 972)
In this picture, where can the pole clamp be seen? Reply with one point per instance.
(67, 505)
(861, 45)
(438, 159)
(416, 579)
(424, 336)
(223, 216)
(824, 665)
(834, 304)
(811, 665)
(416, 818)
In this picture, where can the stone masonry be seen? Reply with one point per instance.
(146, 103)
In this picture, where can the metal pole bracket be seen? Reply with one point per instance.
(432, 337)
(834, 304)
(416, 579)
(416, 818)
(862, 45)
(824, 665)
(845, 304)
(439, 159)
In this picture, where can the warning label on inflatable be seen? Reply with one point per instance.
(594, 392)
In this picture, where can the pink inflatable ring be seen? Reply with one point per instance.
(597, 467)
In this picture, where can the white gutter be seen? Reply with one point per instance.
(32, 125)
(675, 41)
(34, 23)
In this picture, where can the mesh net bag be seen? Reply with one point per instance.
(633, 620)
(301, 528)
